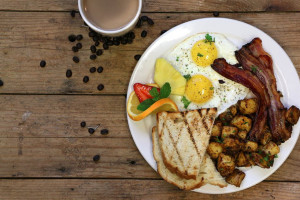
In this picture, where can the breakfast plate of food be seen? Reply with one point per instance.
(213, 106)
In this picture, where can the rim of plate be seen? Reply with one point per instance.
(232, 22)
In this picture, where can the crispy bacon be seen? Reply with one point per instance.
(249, 56)
(250, 81)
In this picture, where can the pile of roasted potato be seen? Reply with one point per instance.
(229, 147)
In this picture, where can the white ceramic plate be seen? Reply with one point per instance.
(239, 33)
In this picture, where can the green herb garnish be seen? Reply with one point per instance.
(254, 68)
(245, 123)
(200, 55)
(219, 140)
(211, 88)
(177, 59)
(208, 38)
(187, 77)
(275, 156)
(185, 102)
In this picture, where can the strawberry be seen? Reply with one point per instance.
(142, 91)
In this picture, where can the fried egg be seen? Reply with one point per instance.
(205, 88)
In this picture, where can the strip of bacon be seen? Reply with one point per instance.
(266, 75)
(250, 81)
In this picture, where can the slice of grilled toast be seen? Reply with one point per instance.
(178, 133)
(208, 172)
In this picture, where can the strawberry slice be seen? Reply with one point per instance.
(142, 91)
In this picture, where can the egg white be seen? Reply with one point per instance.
(225, 94)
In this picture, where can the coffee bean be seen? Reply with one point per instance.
(96, 158)
(144, 33)
(110, 42)
(221, 81)
(91, 130)
(86, 79)
(92, 34)
(105, 46)
(79, 45)
(137, 57)
(104, 132)
(162, 32)
(74, 49)
(1, 83)
(96, 38)
(93, 57)
(216, 14)
(68, 73)
(130, 41)
(150, 21)
(100, 69)
(100, 87)
(144, 18)
(43, 63)
(83, 124)
(139, 23)
(93, 69)
(99, 52)
(76, 59)
(79, 37)
(93, 49)
(124, 41)
(97, 43)
(72, 38)
(73, 12)
(131, 35)
(116, 42)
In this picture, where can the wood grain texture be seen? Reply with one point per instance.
(133, 189)
(41, 137)
(23, 44)
(163, 5)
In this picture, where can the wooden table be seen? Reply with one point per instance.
(45, 154)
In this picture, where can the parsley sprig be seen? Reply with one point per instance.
(165, 92)
(208, 38)
(185, 102)
(187, 77)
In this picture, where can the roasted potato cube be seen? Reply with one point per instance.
(233, 110)
(271, 148)
(250, 146)
(235, 178)
(242, 123)
(228, 114)
(248, 106)
(216, 129)
(241, 160)
(259, 160)
(214, 149)
(242, 134)
(225, 164)
(267, 136)
(228, 131)
(292, 115)
(232, 145)
(249, 159)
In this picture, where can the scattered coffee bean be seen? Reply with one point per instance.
(144, 33)
(91, 34)
(216, 14)
(72, 38)
(79, 37)
(124, 41)
(116, 42)
(221, 81)
(96, 38)
(100, 69)
(110, 43)
(93, 69)
(139, 23)
(86, 79)
(150, 21)
(162, 32)
(76, 59)
(99, 52)
(79, 45)
(96, 158)
(104, 132)
(83, 124)
(105, 46)
(74, 49)
(137, 57)
(91, 130)
(73, 12)
(68, 73)
(100, 87)
(131, 35)
(144, 18)
(93, 57)
(130, 41)
(1, 83)
(93, 49)
(43, 63)
(97, 43)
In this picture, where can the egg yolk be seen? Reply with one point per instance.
(199, 89)
(204, 53)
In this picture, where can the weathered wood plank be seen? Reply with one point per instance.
(24, 43)
(163, 5)
(133, 189)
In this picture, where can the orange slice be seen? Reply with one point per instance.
(165, 104)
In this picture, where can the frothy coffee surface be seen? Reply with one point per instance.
(110, 14)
